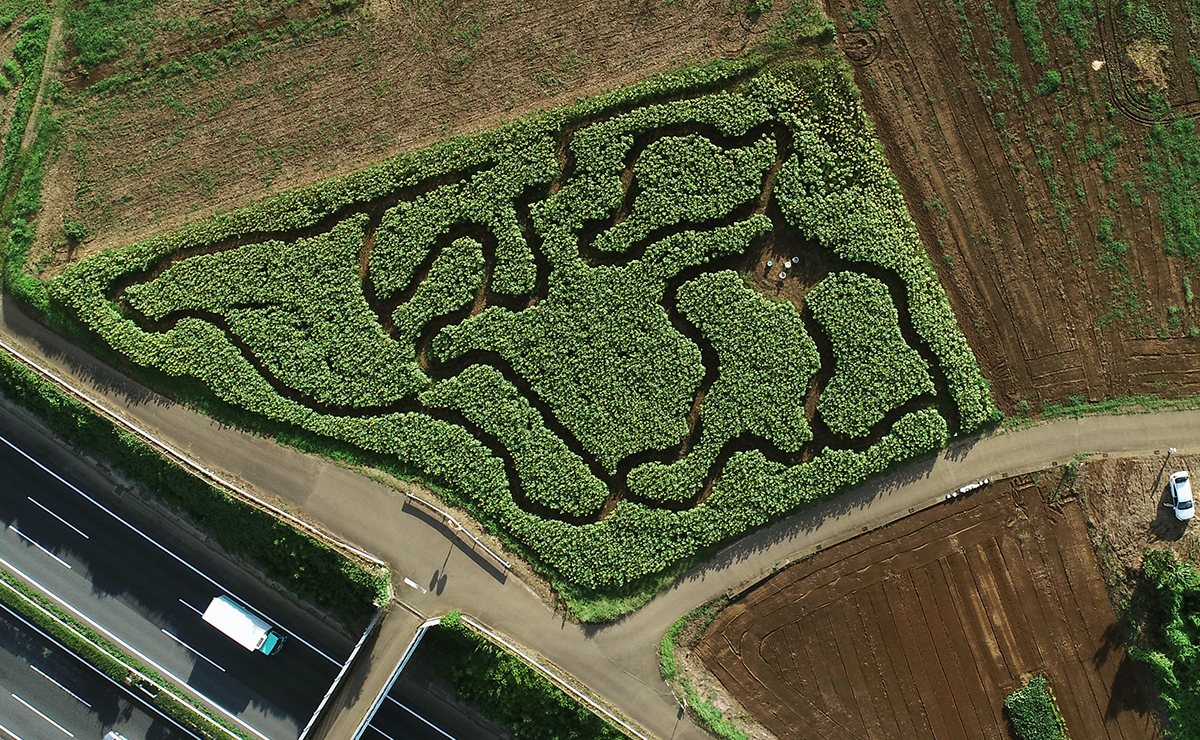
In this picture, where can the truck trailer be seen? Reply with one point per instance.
(242, 627)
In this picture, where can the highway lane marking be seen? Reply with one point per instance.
(155, 542)
(194, 650)
(435, 727)
(59, 685)
(139, 698)
(9, 732)
(41, 506)
(189, 606)
(31, 541)
(381, 732)
(34, 709)
(130, 648)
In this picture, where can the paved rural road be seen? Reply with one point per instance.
(46, 692)
(618, 661)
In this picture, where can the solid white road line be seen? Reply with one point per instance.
(34, 709)
(9, 732)
(131, 649)
(435, 727)
(41, 506)
(138, 698)
(194, 650)
(189, 606)
(154, 542)
(31, 541)
(381, 732)
(59, 685)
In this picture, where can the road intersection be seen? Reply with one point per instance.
(618, 662)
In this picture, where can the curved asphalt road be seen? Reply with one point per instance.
(619, 662)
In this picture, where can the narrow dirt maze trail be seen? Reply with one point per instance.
(619, 662)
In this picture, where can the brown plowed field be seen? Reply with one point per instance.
(1016, 243)
(921, 629)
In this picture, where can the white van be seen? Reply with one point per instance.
(242, 627)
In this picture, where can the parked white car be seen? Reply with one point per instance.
(1181, 496)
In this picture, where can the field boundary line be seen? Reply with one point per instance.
(186, 461)
(554, 677)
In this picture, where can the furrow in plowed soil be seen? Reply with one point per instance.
(922, 628)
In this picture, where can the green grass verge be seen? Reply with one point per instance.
(111, 661)
(30, 53)
(1077, 407)
(708, 715)
(507, 690)
(308, 567)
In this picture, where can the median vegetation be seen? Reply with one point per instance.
(309, 568)
(113, 662)
(507, 690)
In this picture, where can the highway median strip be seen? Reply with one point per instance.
(338, 577)
(95, 650)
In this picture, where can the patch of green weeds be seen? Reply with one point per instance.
(1049, 83)
(1172, 169)
(1077, 17)
(866, 17)
(1112, 251)
(1031, 29)
(1135, 197)
(1145, 20)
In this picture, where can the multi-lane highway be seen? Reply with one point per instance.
(47, 693)
(121, 575)
(420, 687)
(138, 579)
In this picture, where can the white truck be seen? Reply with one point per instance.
(242, 627)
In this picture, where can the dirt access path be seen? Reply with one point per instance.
(921, 629)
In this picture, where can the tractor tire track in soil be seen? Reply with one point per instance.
(818, 263)
(921, 629)
(1046, 319)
